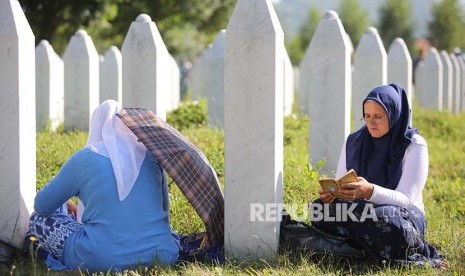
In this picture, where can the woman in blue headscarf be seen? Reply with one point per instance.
(391, 159)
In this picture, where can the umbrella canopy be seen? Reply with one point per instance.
(184, 163)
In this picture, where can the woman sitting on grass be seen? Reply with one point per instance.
(391, 160)
(125, 222)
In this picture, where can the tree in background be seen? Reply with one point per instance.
(395, 21)
(296, 49)
(354, 18)
(446, 28)
(186, 26)
(57, 21)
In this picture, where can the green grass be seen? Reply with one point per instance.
(443, 196)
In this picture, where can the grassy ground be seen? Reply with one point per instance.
(443, 196)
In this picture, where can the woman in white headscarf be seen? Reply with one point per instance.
(125, 220)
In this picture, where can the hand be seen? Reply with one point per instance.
(356, 190)
(325, 196)
(72, 208)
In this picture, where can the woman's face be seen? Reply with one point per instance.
(376, 119)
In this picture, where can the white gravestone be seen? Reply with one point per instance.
(446, 81)
(18, 124)
(400, 66)
(199, 78)
(49, 87)
(253, 130)
(418, 79)
(175, 84)
(456, 83)
(111, 68)
(325, 76)
(81, 62)
(213, 81)
(370, 70)
(461, 100)
(288, 84)
(430, 93)
(146, 73)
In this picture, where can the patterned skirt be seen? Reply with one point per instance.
(52, 231)
(384, 232)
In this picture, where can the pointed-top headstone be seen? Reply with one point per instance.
(456, 83)
(146, 79)
(400, 66)
(429, 94)
(175, 82)
(18, 126)
(325, 77)
(111, 75)
(254, 130)
(461, 99)
(49, 87)
(447, 78)
(370, 70)
(81, 63)
(213, 60)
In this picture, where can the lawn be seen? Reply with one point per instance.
(443, 196)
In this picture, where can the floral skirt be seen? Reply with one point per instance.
(384, 232)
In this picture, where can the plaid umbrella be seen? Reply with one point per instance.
(184, 163)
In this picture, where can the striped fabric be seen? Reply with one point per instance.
(184, 163)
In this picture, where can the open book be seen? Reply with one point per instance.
(332, 185)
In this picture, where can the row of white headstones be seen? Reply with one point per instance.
(251, 77)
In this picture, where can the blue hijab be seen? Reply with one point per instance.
(379, 160)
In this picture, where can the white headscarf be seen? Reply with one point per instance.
(110, 137)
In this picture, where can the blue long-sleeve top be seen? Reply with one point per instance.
(114, 234)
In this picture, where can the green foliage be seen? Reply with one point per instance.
(189, 114)
(57, 21)
(186, 26)
(446, 28)
(395, 21)
(297, 47)
(354, 18)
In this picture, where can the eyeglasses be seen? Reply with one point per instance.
(375, 119)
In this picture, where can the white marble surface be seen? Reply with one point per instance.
(370, 70)
(146, 77)
(49, 87)
(175, 84)
(17, 110)
(447, 78)
(399, 64)
(198, 78)
(213, 83)
(456, 83)
(81, 63)
(325, 75)
(253, 128)
(461, 61)
(429, 94)
(288, 84)
(111, 68)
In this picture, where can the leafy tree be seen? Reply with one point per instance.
(446, 27)
(186, 26)
(354, 19)
(296, 49)
(57, 21)
(395, 21)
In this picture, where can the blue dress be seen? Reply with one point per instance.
(114, 234)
